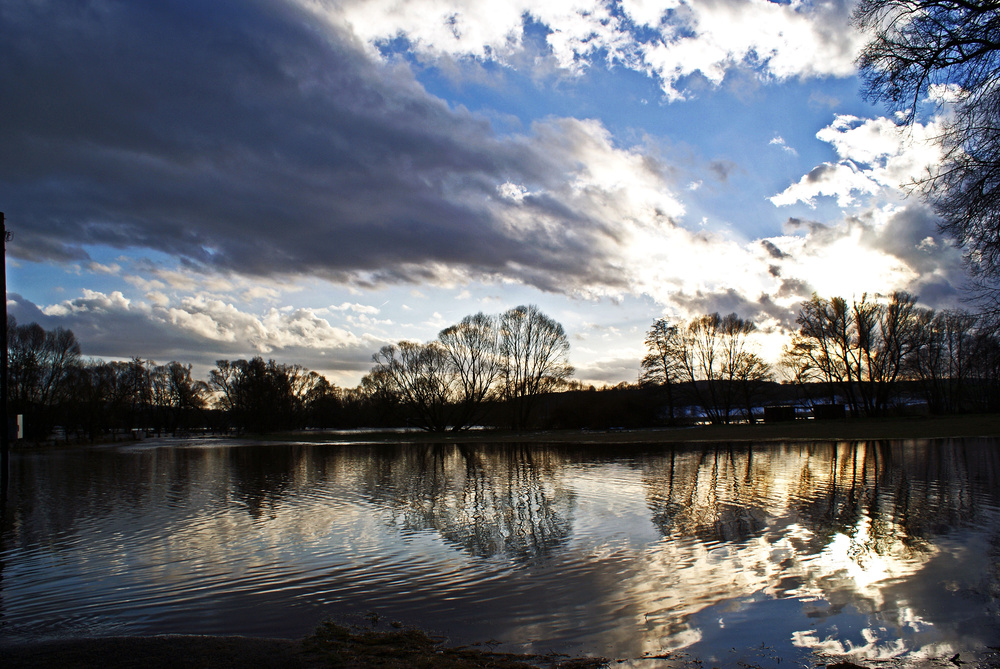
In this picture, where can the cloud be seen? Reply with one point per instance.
(247, 146)
(245, 140)
(667, 40)
(886, 239)
(779, 141)
(779, 40)
(198, 329)
(877, 157)
(843, 180)
(773, 250)
(112, 269)
(355, 308)
(609, 371)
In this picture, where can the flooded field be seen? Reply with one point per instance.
(727, 553)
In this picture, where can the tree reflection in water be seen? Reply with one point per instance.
(730, 493)
(504, 500)
(883, 549)
(840, 527)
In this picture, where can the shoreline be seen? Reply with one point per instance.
(850, 429)
(330, 646)
(169, 651)
(336, 646)
(963, 426)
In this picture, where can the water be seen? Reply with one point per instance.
(729, 554)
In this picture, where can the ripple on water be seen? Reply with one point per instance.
(542, 548)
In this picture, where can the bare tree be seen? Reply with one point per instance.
(942, 357)
(472, 347)
(917, 46)
(421, 376)
(40, 363)
(534, 359)
(818, 352)
(858, 350)
(662, 365)
(750, 375)
(717, 359)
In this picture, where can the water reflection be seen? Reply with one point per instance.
(489, 501)
(851, 530)
(880, 549)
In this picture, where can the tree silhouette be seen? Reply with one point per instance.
(534, 354)
(858, 350)
(951, 49)
(717, 358)
(662, 366)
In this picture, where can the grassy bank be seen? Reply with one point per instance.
(851, 429)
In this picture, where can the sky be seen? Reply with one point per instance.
(308, 180)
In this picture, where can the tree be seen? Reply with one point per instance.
(985, 387)
(942, 357)
(40, 364)
(419, 374)
(139, 392)
(534, 359)
(323, 402)
(918, 46)
(184, 395)
(857, 350)
(662, 364)
(378, 394)
(256, 395)
(472, 347)
(716, 357)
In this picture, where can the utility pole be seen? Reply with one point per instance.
(5, 424)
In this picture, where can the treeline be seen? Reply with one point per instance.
(872, 355)
(49, 384)
(483, 362)
(487, 369)
(864, 353)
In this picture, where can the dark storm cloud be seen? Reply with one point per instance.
(731, 301)
(912, 235)
(243, 136)
(773, 250)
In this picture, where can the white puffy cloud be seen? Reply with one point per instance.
(885, 238)
(877, 157)
(437, 27)
(91, 301)
(667, 39)
(200, 329)
(843, 180)
(220, 321)
(781, 40)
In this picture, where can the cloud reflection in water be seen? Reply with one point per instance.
(873, 549)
